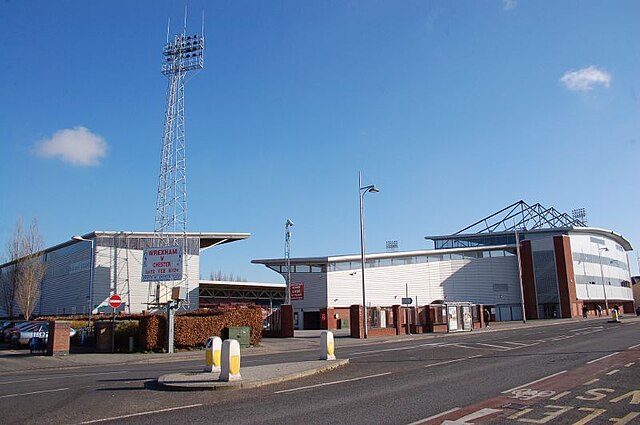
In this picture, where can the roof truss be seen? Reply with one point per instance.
(522, 216)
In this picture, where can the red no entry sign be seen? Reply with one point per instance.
(115, 301)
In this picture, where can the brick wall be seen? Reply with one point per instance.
(58, 339)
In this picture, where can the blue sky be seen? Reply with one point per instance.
(453, 109)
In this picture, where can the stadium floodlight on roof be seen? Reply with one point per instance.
(580, 214)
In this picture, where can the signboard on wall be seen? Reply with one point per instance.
(296, 291)
(162, 264)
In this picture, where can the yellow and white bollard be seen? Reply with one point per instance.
(327, 346)
(213, 351)
(615, 317)
(230, 369)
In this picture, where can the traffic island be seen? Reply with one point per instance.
(252, 376)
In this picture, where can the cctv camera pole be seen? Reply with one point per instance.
(287, 258)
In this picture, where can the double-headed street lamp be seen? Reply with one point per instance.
(604, 289)
(362, 191)
(80, 238)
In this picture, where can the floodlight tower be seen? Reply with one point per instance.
(181, 55)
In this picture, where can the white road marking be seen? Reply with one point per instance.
(629, 364)
(613, 372)
(534, 382)
(470, 347)
(633, 347)
(521, 344)
(454, 360)
(466, 420)
(559, 396)
(501, 347)
(603, 357)
(390, 349)
(586, 329)
(455, 409)
(593, 381)
(34, 392)
(132, 415)
(60, 376)
(561, 337)
(342, 381)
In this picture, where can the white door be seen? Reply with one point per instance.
(453, 318)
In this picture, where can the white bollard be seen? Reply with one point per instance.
(327, 346)
(230, 369)
(213, 352)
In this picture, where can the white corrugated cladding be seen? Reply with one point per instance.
(315, 290)
(482, 280)
(65, 288)
(138, 290)
(119, 270)
(587, 254)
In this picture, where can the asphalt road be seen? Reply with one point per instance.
(572, 372)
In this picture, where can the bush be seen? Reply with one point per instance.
(194, 328)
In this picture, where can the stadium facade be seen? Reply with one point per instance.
(78, 279)
(523, 255)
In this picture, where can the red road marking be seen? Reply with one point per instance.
(556, 385)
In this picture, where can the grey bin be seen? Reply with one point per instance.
(240, 333)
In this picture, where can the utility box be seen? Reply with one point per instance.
(178, 293)
(103, 336)
(242, 334)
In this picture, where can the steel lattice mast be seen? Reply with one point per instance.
(182, 54)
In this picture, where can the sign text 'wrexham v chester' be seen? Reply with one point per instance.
(162, 263)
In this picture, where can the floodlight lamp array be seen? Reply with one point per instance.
(184, 53)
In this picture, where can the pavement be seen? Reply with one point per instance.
(252, 376)
(14, 361)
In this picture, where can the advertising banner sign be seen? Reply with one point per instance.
(162, 263)
(296, 291)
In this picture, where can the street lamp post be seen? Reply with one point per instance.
(362, 191)
(524, 314)
(604, 289)
(80, 238)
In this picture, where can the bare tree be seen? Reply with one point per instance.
(8, 276)
(30, 269)
(223, 277)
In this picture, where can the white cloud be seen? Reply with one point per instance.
(77, 146)
(509, 4)
(585, 79)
